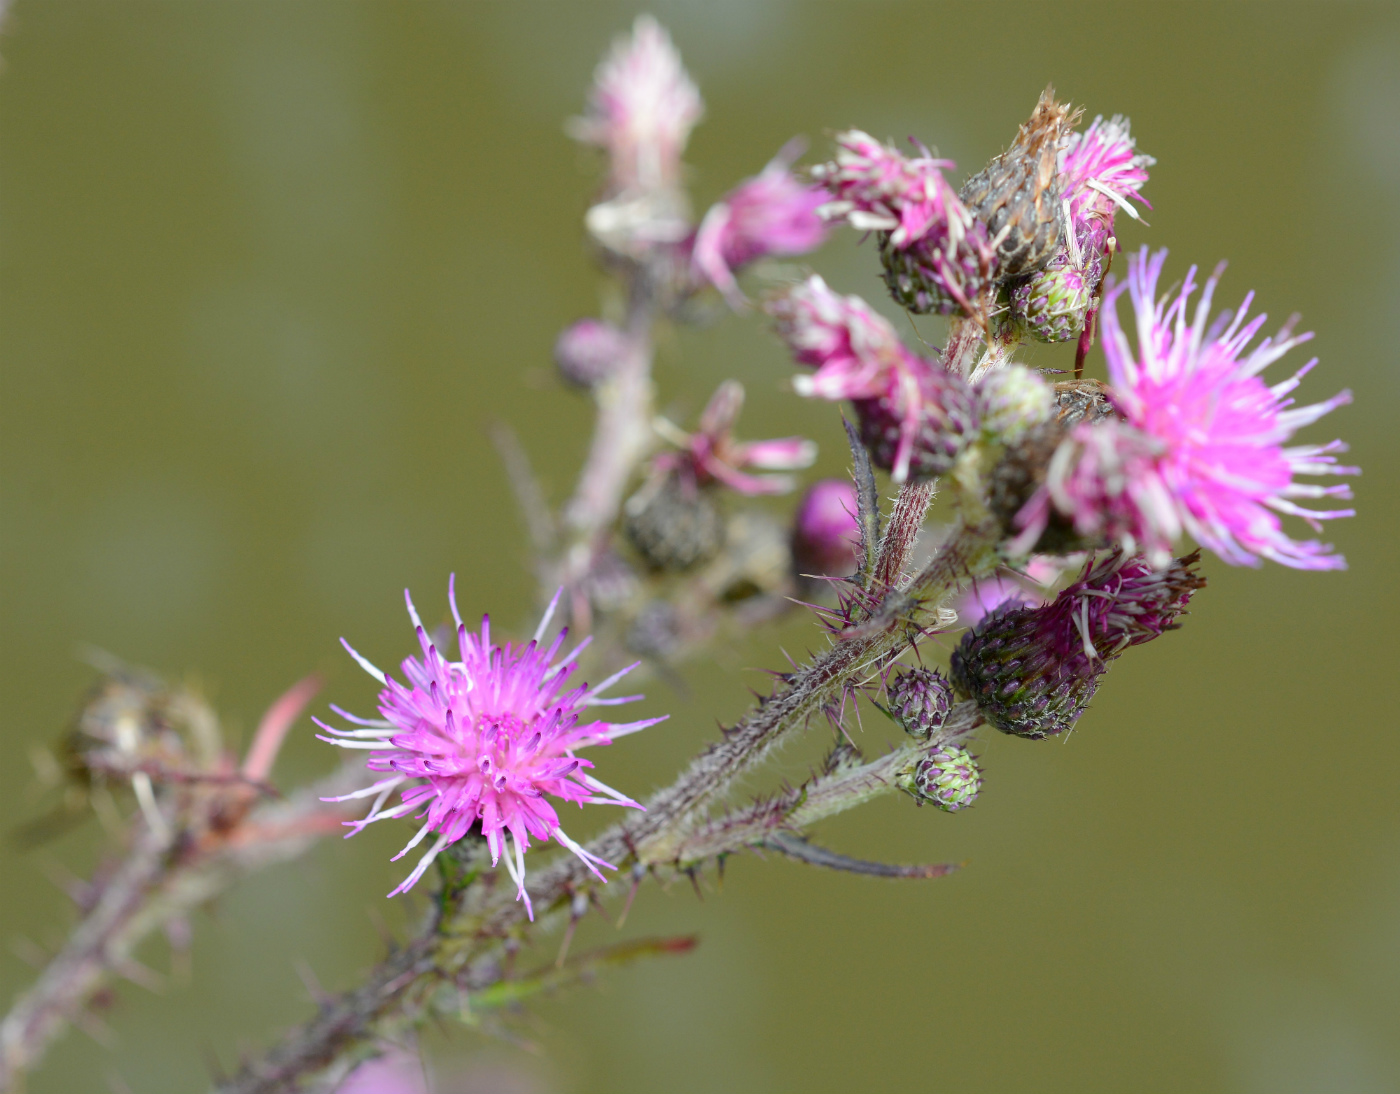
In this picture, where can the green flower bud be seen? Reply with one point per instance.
(946, 776)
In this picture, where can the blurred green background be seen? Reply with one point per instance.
(269, 269)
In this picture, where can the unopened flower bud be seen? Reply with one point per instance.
(589, 351)
(825, 533)
(946, 776)
(1013, 400)
(1016, 195)
(919, 701)
(673, 523)
(1051, 305)
(1033, 670)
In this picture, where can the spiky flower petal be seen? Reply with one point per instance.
(476, 744)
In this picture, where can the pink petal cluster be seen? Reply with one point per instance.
(641, 109)
(711, 454)
(1203, 448)
(479, 742)
(1101, 170)
(877, 188)
(773, 213)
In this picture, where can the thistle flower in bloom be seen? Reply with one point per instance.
(1101, 170)
(914, 415)
(1033, 670)
(935, 252)
(711, 454)
(770, 214)
(825, 532)
(479, 742)
(641, 109)
(1203, 446)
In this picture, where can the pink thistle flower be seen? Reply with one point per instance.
(1101, 170)
(711, 454)
(481, 741)
(935, 252)
(825, 529)
(642, 108)
(914, 414)
(771, 214)
(1203, 445)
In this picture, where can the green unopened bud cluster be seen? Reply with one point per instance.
(947, 776)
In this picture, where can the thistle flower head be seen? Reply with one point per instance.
(1203, 448)
(825, 533)
(1102, 171)
(641, 109)
(935, 252)
(1033, 670)
(478, 743)
(1012, 400)
(711, 454)
(773, 213)
(915, 416)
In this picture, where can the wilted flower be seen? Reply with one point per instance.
(641, 109)
(935, 252)
(1033, 670)
(711, 454)
(1203, 448)
(477, 744)
(771, 214)
(915, 416)
(1017, 195)
(825, 532)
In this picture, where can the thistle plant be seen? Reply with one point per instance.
(1070, 499)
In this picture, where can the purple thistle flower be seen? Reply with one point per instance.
(479, 742)
(1203, 446)
(711, 454)
(914, 414)
(935, 252)
(771, 214)
(1033, 670)
(825, 531)
(641, 109)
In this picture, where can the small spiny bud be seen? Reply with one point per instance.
(919, 701)
(589, 351)
(1013, 400)
(946, 776)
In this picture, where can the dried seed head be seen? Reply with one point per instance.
(1017, 196)
(946, 776)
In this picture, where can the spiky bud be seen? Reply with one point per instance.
(1033, 670)
(673, 524)
(1051, 305)
(919, 701)
(589, 351)
(946, 776)
(1013, 400)
(1016, 195)
(936, 422)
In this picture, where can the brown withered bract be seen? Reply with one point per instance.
(1016, 195)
